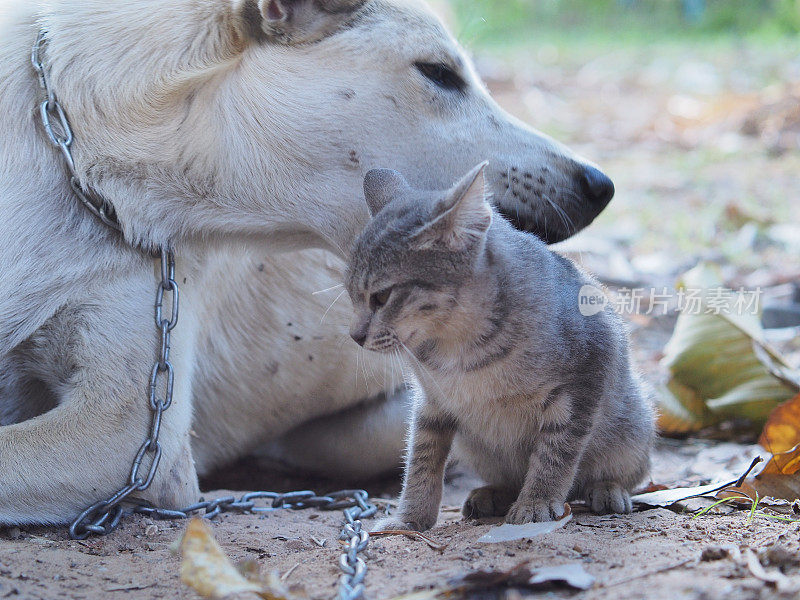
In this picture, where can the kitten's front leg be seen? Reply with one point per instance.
(551, 470)
(432, 434)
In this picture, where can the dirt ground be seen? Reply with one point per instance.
(655, 553)
(703, 146)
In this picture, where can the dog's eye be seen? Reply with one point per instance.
(379, 299)
(442, 75)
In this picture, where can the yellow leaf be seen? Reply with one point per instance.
(206, 569)
(781, 437)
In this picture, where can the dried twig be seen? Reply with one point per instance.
(286, 575)
(752, 466)
(683, 563)
(416, 535)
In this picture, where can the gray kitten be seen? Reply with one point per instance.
(539, 399)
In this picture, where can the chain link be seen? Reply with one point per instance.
(103, 517)
(56, 126)
(354, 503)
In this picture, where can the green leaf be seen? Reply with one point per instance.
(714, 370)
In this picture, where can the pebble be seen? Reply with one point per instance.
(714, 553)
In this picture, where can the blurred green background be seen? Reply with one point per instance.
(692, 106)
(487, 22)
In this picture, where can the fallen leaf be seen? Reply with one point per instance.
(743, 495)
(572, 574)
(508, 532)
(666, 498)
(777, 366)
(780, 505)
(653, 487)
(786, 487)
(206, 569)
(714, 370)
(781, 437)
(521, 576)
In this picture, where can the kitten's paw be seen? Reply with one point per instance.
(535, 511)
(609, 497)
(392, 524)
(488, 501)
(404, 523)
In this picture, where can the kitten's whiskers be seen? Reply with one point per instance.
(335, 300)
(424, 369)
(325, 291)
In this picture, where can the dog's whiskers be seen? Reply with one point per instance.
(565, 219)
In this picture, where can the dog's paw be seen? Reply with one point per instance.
(537, 510)
(609, 497)
(488, 501)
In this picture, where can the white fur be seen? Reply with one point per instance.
(232, 151)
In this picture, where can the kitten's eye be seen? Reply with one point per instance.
(442, 75)
(380, 298)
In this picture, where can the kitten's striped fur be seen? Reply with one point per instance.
(539, 399)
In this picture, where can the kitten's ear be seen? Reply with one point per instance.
(381, 186)
(463, 216)
(294, 21)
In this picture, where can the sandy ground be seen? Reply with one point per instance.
(656, 553)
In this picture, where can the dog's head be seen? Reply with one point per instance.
(263, 116)
(382, 84)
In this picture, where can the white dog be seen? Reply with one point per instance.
(233, 130)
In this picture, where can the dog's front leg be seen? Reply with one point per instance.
(56, 464)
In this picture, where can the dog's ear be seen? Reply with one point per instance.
(294, 21)
(462, 217)
(381, 186)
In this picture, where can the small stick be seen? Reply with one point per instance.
(752, 466)
(649, 573)
(416, 535)
(285, 576)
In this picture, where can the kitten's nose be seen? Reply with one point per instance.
(359, 337)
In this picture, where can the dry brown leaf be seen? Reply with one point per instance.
(491, 582)
(785, 487)
(206, 569)
(743, 495)
(781, 437)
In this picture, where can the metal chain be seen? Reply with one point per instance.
(354, 569)
(354, 503)
(103, 517)
(59, 133)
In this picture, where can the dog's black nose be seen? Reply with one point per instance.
(597, 187)
(359, 337)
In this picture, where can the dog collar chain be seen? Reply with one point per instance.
(56, 125)
(103, 517)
